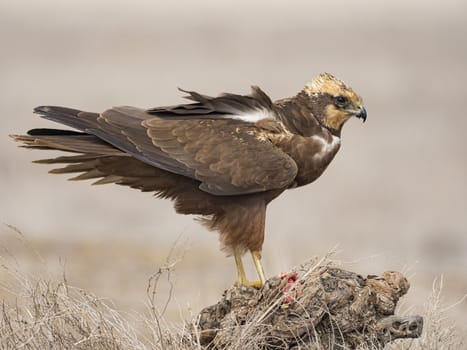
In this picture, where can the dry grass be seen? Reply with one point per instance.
(48, 313)
(55, 316)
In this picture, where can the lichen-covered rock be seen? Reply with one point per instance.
(325, 308)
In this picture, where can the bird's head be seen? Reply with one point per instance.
(333, 102)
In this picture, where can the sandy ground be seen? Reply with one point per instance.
(395, 197)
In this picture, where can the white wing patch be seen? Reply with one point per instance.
(254, 116)
(326, 147)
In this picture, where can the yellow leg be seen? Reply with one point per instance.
(241, 275)
(259, 268)
(241, 279)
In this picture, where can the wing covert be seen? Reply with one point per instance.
(229, 157)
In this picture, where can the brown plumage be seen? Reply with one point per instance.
(222, 158)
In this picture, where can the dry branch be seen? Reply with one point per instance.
(327, 308)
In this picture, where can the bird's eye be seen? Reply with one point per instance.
(341, 100)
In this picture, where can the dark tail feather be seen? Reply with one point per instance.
(68, 116)
(66, 140)
(53, 132)
(46, 110)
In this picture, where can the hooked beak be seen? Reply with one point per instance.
(361, 113)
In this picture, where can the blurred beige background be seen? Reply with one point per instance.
(395, 197)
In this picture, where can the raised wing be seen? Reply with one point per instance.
(249, 108)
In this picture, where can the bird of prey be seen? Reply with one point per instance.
(221, 158)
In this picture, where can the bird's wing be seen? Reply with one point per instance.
(229, 157)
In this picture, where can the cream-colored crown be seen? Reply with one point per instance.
(327, 83)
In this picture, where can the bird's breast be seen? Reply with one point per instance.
(312, 154)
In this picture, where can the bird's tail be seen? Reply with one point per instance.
(74, 118)
(65, 140)
(90, 153)
(89, 150)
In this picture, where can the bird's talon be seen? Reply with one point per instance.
(255, 284)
